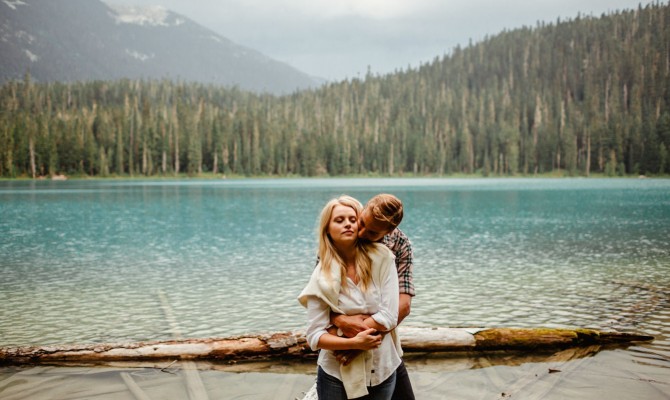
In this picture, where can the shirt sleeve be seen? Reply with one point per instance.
(388, 308)
(318, 317)
(404, 261)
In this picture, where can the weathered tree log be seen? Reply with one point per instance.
(292, 345)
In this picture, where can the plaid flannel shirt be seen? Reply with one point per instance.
(401, 247)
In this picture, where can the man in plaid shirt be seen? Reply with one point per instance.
(379, 223)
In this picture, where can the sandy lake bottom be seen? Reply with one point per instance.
(638, 372)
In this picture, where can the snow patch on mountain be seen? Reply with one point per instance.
(151, 15)
(25, 36)
(139, 56)
(32, 57)
(13, 3)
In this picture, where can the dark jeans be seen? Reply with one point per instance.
(403, 387)
(330, 388)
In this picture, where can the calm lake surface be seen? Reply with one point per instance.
(110, 261)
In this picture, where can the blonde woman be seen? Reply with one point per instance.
(352, 277)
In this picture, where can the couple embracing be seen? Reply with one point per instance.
(360, 290)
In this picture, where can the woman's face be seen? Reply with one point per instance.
(343, 225)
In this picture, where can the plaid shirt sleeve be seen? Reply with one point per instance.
(402, 249)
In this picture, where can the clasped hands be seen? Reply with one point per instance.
(354, 326)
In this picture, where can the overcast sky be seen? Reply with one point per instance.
(340, 39)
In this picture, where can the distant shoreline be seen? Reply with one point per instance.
(220, 176)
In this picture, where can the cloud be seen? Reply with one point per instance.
(373, 9)
(336, 39)
(327, 9)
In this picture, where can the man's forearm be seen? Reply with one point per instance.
(404, 306)
(353, 324)
(350, 325)
(372, 323)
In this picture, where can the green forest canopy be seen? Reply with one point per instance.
(578, 96)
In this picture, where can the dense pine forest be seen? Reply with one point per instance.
(576, 97)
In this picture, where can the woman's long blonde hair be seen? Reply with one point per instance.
(328, 253)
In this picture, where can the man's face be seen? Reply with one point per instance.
(371, 229)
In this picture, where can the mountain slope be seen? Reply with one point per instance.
(75, 40)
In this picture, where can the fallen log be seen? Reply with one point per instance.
(292, 345)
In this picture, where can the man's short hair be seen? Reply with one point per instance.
(386, 208)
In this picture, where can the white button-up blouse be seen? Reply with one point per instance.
(380, 300)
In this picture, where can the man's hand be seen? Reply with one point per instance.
(345, 357)
(350, 325)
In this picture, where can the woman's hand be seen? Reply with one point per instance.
(367, 340)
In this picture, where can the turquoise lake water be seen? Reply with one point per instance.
(90, 261)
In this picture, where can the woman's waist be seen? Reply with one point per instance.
(384, 360)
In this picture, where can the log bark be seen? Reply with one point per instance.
(292, 345)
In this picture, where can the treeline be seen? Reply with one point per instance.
(581, 96)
